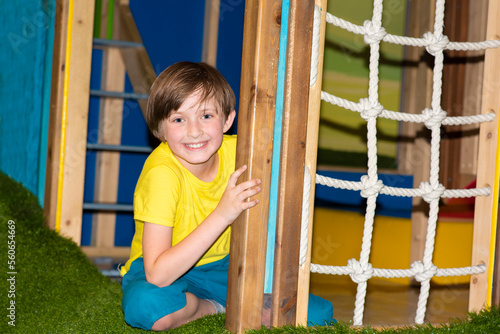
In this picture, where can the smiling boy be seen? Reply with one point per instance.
(185, 200)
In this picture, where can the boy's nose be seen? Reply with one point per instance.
(195, 130)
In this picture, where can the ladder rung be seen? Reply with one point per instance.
(116, 43)
(119, 148)
(108, 207)
(118, 95)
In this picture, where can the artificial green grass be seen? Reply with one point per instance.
(57, 290)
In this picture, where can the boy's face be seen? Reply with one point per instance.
(194, 133)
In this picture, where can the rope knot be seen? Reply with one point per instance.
(370, 186)
(435, 43)
(421, 272)
(430, 193)
(373, 33)
(432, 119)
(369, 110)
(360, 273)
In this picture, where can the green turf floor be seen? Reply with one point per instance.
(50, 286)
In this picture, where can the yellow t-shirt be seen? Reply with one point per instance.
(168, 194)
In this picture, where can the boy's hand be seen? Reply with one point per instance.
(234, 200)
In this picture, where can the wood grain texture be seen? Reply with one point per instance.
(109, 132)
(254, 149)
(452, 99)
(139, 67)
(76, 125)
(56, 100)
(414, 156)
(313, 115)
(484, 215)
(289, 213)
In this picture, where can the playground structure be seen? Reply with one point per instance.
(270, 34)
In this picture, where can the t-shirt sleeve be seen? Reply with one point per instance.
(156, 196)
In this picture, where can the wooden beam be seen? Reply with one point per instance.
(255, 135)
(313, 114)
(296, 100)
(114, 252)
(414, 145)
(211, 32)
(486, 208)
(452, 99)
(495, 300)
(108, 132)
(139, 68)
(478, 13)
(56, 100)
(75, 127)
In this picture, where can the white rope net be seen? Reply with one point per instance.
(370, 186)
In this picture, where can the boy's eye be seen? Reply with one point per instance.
(207, 116)
(177, 120)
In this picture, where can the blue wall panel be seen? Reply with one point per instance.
(24, 30)
(171, 31)
(229, 49)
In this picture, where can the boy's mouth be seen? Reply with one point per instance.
(196, 145)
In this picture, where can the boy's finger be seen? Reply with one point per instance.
(237, 173)
(251, 192)
(250, 204)
(249, 184)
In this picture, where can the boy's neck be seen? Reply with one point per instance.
(208, 171)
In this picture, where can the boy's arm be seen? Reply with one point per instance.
(165, 263)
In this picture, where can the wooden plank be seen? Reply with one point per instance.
(76, 124)
(114, 252)
(211, 32)
(472, 90)
(56, 101)
(255, 134)
(414, 157)
(109, 132)
(495, 300)
(313, 114)
(453, 85)
(139, 68)
(288, 224)
(485, 216)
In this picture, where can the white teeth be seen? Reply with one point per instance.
(195, 145)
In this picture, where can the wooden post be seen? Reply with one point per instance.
(56, 100)
(310, 162)
(414, 153)
(452, 99)
(211, 32)
(293, 142)
(255, 135)
(109, 132)
(495, 300)
(74, 129)
(478, 13)
(139, 67)
(486, 208)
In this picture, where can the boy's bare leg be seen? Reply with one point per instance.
(195, 308)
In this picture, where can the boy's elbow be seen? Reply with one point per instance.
(156, 279)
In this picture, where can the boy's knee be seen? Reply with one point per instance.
(165, 323)
(145, 304)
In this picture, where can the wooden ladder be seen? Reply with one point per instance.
(123, 53)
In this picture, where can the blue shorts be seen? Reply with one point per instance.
(144, 303)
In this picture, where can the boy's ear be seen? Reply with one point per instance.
(229, 120)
